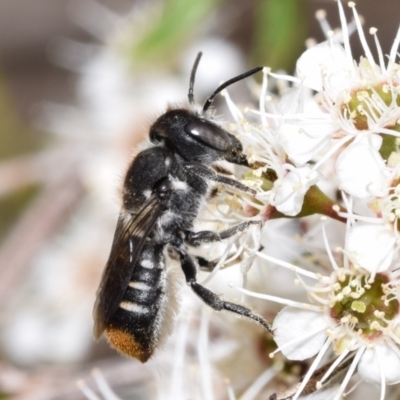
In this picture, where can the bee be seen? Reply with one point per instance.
(164, 190)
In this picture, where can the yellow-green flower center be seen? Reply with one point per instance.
(366, 104)
(267, 177)
(366, 306)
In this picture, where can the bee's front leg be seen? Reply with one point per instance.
(195, 239)
(208, 174)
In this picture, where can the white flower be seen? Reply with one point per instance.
(287, 194)
(370, 246)
(361, 171)
(357, 102)
(387, 206)
(352, 313)
(381, 359)
(286, 188)
(302, 140)
(359, 96)
(321, 62)
(290, 326)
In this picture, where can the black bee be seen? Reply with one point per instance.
(164, 190)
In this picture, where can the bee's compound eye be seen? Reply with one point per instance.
(209, 134)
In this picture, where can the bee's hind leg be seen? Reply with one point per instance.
(211, 299)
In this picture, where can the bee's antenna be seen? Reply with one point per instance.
(192, 76)
(220, 88)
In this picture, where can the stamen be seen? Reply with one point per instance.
(257, 206)
(229, 388)
(89, 394)
(349, 223)
(386, 130)
(328, 249)
(393, 50)
(320, 15)
(235, 112)
(354, 387)
(331, 151)
(179, 358)
(382, 374)
(371, 115)
(280, 300)
(378, 101)
(315, 289)
(317, 298)
(297, 339)
(291, 266)
(300, 117)
(362, 36)
(103, 386)
(219, 264)
(334, 365)
(313, 367)
(312, 291)
(346, 38)
(256, 387)
(350, 372)
(392, 346)
(394, 338)
(284, 77)
(204, 358)
(263, 96)
(371, 220)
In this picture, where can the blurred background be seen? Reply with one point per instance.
(80, 81)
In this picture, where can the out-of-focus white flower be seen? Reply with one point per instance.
(103, 387)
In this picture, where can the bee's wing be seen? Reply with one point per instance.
(130, 236)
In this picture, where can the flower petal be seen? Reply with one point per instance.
(370, 246)
(377, 357)
(323, 59)
(287, 195)
(360, 169)
(305, 327)
(302, 142)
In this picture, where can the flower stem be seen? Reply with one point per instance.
(315, 202)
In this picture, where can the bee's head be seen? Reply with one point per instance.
(194, 136)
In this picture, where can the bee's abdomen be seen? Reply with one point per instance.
(142, 294)
(133, 327)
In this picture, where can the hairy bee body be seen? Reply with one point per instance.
(138, 324)
(164, 190)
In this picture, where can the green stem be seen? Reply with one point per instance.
(315, 202)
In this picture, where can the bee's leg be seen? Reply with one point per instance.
(209, 174)
(233, 183)
(195, 239)
(204, 264)
(211, 299)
